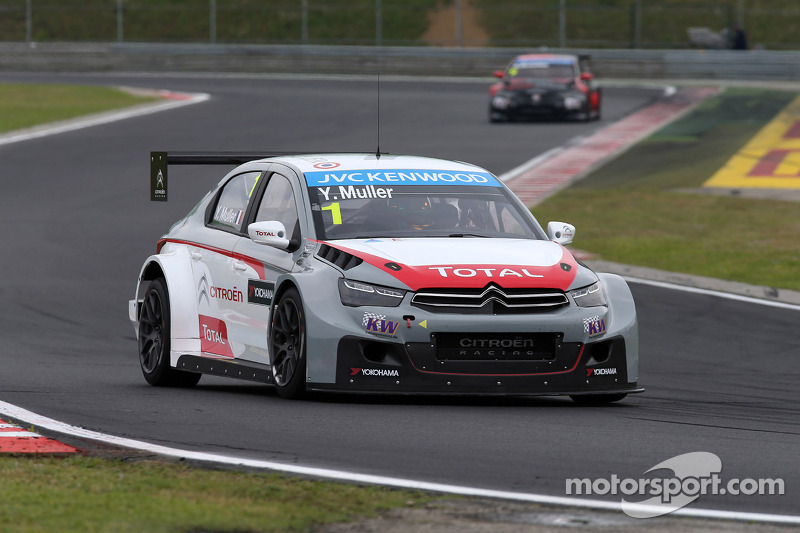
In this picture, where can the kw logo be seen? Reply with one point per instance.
(385, 327)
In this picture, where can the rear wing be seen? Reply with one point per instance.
(160, 161)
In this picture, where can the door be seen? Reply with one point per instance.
(214, 264)
(258, 268)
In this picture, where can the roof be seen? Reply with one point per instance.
(550, 58)
(364, 161)
(388, 170)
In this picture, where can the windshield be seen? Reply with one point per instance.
(402, 210)
(541, 69)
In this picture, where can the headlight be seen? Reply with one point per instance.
(591, 296)
(500, 102)
(356, 293)
(573, 102)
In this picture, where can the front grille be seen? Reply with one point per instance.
(496, 346)
(490, 300)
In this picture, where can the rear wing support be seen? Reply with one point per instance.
(160, 161)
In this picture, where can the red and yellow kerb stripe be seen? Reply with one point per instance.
(770, 160)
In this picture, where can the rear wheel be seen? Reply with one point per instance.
(287, 343)
(597, 399)
(154, 340)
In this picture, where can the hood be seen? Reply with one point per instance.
(467, 262)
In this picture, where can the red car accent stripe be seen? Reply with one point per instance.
(255, 264)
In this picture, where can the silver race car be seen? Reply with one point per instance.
(381, 274)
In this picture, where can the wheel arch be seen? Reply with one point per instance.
(176, 269)
(624, 319)
(283, 284)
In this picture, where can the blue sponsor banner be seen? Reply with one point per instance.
(400, 177)
(544, 61)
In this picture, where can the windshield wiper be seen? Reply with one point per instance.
(466, 235)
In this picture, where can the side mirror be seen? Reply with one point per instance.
(560, 232)
(587, 76)
(499, 74)
(269, 232)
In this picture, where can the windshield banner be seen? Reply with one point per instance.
(401, 177)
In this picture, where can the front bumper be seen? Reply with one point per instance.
(524, 105)
(367, 365)
(405, 349)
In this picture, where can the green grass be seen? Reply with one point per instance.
(635, 210)
(85, 494)
(249, 21)
(22, 106)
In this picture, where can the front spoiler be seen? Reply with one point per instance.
(595, 368)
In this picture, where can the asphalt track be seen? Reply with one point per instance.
(721, 375)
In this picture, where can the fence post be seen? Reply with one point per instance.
(459, 24)
(120, 35)
(28, 21)
(378, 23)
(636, 24)
(212, 21)
(304, 21)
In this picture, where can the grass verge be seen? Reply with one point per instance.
(96, 494)
(23, 105)
(636, 209)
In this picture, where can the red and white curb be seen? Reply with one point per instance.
(16, 440)
(554, 170)
(168, 100)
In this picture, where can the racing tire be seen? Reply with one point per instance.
(586, 115)
(597, 399)
(154, 340)
(496, 117)
(287, 345)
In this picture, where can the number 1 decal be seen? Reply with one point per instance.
(336, 212)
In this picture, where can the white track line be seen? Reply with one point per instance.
(101, 118)
(18, 413)
(718, 294)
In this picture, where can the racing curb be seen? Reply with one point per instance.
(16, 440)
(547, 174)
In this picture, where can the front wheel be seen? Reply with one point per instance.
(154, 340)
(287, 343)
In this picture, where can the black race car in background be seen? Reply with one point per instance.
(544, 85)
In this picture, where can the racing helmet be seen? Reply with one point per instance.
(413, 210)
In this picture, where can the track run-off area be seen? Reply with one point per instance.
(720, 372)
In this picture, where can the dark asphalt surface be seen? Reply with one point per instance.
(721, 375)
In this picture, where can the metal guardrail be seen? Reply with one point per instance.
(757, 65)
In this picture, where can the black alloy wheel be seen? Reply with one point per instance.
(287, 343)
(154, 340)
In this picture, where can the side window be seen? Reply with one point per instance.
(278, 203)
(232, 203)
